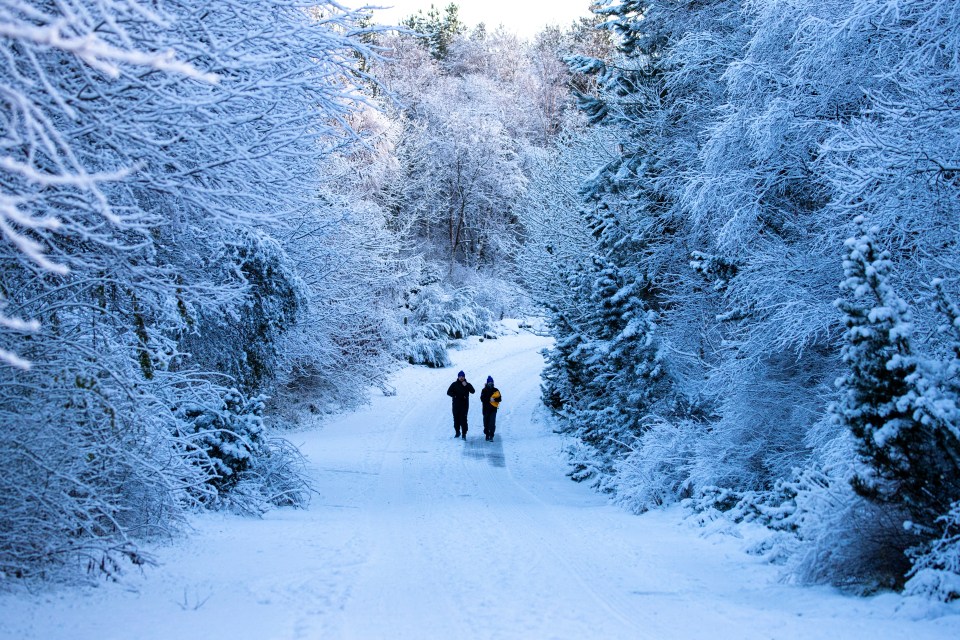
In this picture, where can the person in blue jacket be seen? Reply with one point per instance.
(490, 398)
(460, 391)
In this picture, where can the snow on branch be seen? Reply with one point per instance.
(68, 33)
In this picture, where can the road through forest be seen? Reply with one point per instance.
(414, 534)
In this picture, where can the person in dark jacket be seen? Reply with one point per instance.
(460, 391)
(490, 398)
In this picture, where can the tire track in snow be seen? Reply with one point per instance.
(400, 512)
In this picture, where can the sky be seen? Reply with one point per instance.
(524, 17)
(413, 534)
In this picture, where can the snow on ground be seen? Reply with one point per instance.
(417, 535)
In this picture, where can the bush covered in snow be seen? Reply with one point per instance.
(230, 436)
(936, 565)
(656, 472)
(435, 317)
(249, 469)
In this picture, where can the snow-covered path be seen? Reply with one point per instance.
(417, 535)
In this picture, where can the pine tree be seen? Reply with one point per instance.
(936, 568)
(615, 351)
(899, 407)
(438, 29)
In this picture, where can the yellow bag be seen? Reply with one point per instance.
(495, 399)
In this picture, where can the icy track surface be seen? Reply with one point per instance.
(417, 535)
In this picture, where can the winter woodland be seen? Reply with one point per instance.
(741, 219)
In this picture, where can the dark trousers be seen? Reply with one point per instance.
(489, 422)
(460, 420)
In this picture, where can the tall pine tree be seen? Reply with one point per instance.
(898, 405)
(608, 372)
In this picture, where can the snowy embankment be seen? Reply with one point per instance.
(417, 535)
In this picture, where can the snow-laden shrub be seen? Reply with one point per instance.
(435, 318)
(936, 567)
(231, 436)
(250, 469)
(820, 530)
(426, 345)
(825, 533)
(586, 463)
(279, 475)
(274, 477)
(846, 540)
(656, 471)
(89, 466)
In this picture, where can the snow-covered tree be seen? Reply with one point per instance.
(903, 416)
(349, 261)
(453, 197)
(749, 136)
(437, 28)
(556, 240)
(639, 302)
(143, 145)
